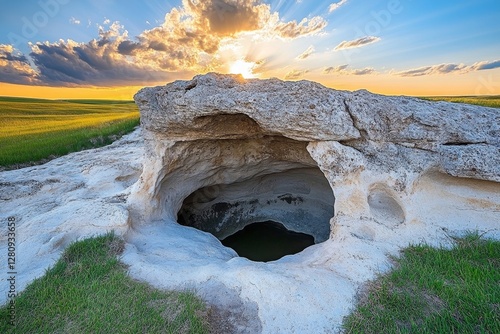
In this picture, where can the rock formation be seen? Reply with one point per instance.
(223, 152)
(364, 174)
(226, 132)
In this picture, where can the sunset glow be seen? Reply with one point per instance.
(109, 49)
(243, 68)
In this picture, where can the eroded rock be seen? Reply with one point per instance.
(366, 174)
(223, 152)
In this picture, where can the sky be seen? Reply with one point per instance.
(111, 48)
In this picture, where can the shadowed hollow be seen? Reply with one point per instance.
(267, 241)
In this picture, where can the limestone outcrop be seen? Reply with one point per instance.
(222, 129)
(364, 174)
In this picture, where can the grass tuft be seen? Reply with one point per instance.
(88, 291)
(434, 291)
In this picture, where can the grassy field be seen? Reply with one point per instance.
(485, 101)
(435, 291)
(88, 291)
(33, 130)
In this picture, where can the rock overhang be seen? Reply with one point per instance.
(276, 107)
(219, 129)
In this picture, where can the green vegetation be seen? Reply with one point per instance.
(34, 130)
(88, 291)
(485, 101)
(435, 291)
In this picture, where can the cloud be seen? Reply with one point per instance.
(337, 69)
(188, 41)
(309, 51)
(72, 64)
(343, 70)
(334, 6)
(430, 70)
(485, 65)
(306, 27)
(227, 17)
(295, 74)
(357, 43)
(72, 20)
(364, 71)
(15, 68)
(449, 68)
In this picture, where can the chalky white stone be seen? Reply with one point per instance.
(391, 170)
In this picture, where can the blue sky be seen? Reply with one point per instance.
(389, 46)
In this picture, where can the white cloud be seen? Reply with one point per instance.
(449, 68)
(343, 70)
(334, 6)
(357, 43)
(309, 51)
(305, 27)
(485, 65)
(72, 20)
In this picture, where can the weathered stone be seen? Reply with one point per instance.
(394, 171)
(238, 151)
(197, 109)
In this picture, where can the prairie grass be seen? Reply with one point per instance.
(33, 129)
(485, 101)
(88, 291)
(434, 290)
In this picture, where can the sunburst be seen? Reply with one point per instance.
(242, 67)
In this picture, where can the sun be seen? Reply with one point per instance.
(242, 67)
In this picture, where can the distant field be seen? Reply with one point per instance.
(34, 130)
(485, 101)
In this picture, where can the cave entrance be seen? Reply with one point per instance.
(266, 216)
(267, 241)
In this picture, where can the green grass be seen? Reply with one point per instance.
(485, 101)
(88, 291)
(435, 291)
(35, 130)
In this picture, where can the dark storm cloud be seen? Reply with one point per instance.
(15, 68)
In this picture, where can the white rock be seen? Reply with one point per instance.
(401, 171)
(70, 198)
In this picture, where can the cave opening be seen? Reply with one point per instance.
(267, 241)
(236, 174)
(265, 217)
